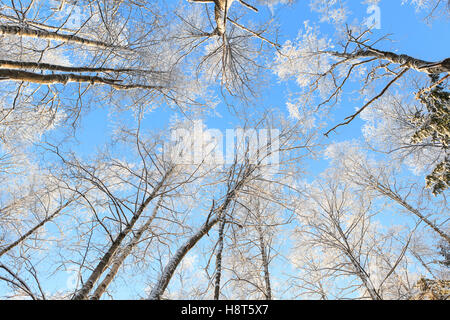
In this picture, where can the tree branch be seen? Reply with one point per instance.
(49, 35)
(18, 75)
(353, 116)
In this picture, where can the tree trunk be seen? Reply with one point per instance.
(83, 293)
(360, 272)
(401, 59)
(265, 263)
(219, 261)
(169, 270)
(118, 263)
(48, 79)
(392, 195)
(49, 35)
(7, 64)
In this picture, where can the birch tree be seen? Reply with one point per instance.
(57, 62)
(325, 67)
(338, 239)
(250, 168)
(233, 49)
(390, 185)
(24, 23)
(251, 251)
(121, 193)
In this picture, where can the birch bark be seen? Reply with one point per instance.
(83, 293)
(118, 263)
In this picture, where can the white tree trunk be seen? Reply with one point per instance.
(83, 293)
(401, 59)
(219, 261)
(169, 270)
(49, 35)
(118, 263)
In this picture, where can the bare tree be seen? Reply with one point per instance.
(239, 175)
(251, 248)
(359, 170)
(358, 52)
(355, 254)
(154, 178)
(245, 177)
(233, 49)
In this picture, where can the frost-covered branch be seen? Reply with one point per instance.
(21, 31)
(105, 261)
(101, 288)
(49, 79)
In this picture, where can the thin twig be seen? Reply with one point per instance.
(254, 33)
(352, 117)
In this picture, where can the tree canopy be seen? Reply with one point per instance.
(221, 149)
